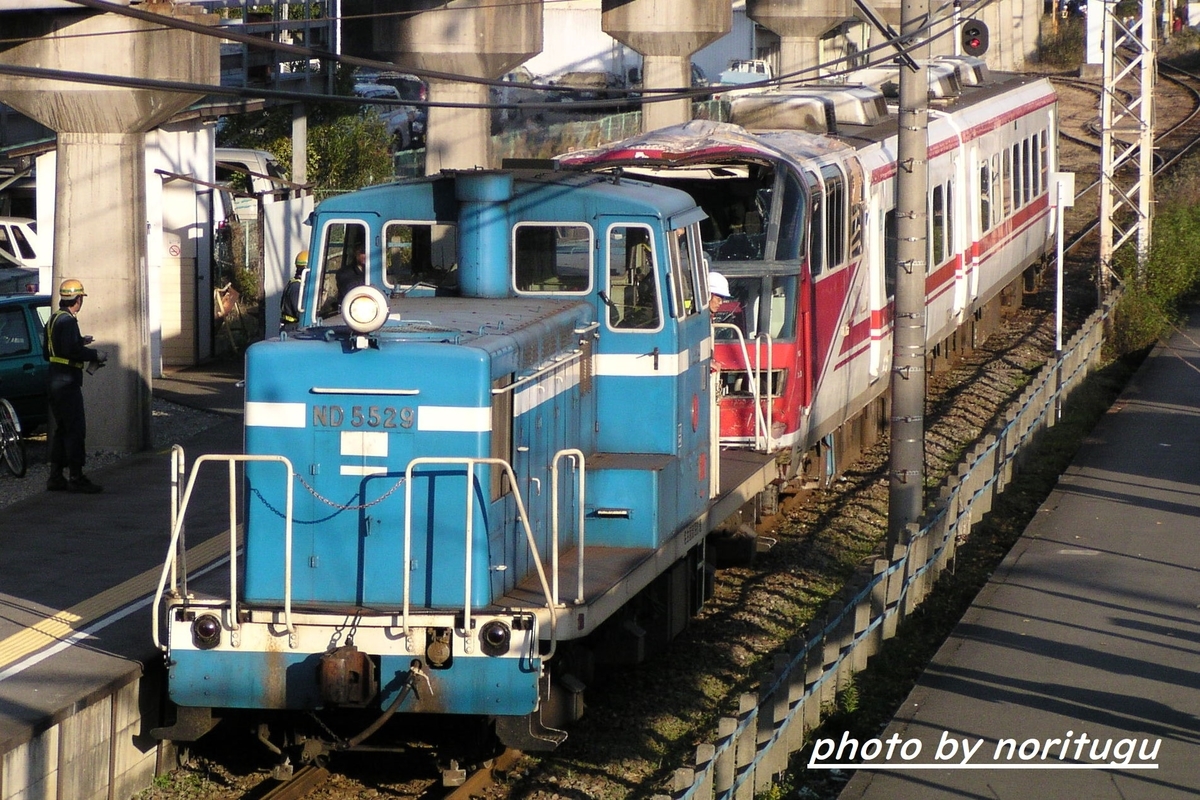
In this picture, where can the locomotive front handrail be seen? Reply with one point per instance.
(762, 427)
(768, 436)
(470, 464)
(177, 530)
(577, 455)
(178, 469)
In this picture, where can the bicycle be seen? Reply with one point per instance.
(11, 443)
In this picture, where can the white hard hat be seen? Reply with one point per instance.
(718, 285)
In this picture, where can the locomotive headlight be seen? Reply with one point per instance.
(365, 309)
(206, 631)
(495, 637)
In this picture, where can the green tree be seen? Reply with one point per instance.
(348, 148)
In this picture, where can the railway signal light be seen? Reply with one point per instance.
(974, 37)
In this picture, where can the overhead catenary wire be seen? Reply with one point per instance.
(645, 95)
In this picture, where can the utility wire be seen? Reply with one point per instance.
(306, 53)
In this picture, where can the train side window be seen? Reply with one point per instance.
(950, 251)
(1017, 175)
(891, 252)
(835, 215)
(816, 236)
(791, 220)
(1027, 172)
(937, 227)
(550, 258)
(632, 293)
(1006, 184)
(344, 260)
(418, 253)
(1044, 160)
(985, 198)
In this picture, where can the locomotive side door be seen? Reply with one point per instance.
(654, 348)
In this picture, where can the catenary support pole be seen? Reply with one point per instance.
(907, 467)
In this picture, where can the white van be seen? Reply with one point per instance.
(256, 171)
(21, 253)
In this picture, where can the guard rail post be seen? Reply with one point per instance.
(879, 586)
(704, 767)
(895, 590)
(725, 768)
(746, 746)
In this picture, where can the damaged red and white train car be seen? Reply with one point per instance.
(800, 191)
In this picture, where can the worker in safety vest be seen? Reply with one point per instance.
(68, 353)
(289, 306)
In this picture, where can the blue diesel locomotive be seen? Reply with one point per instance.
(488, 441)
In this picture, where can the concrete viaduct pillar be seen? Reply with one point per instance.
(478, 38)
(800, 25)
(100, 206)
(666, 33)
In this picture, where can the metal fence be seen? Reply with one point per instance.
(753, 748)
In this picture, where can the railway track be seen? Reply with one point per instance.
(309, 780)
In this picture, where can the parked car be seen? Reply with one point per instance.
(514, 91)
(411, 89)
(399, 118)
(249, 174)
(748, 70)
(23, 365)
(24, 261)
(583, 86)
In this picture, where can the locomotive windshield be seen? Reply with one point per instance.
(755, 211)
(343, 264)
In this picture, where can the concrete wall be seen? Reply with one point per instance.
(178, 244)
(96, 749)
(573, 42)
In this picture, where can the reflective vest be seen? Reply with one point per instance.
(50, 343)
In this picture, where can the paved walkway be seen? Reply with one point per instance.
(1088, 632)
(75, 570)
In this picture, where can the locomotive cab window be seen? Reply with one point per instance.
(550, 258)
(632, 292)
(686, 292)
(418, 252)
(343, 264)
